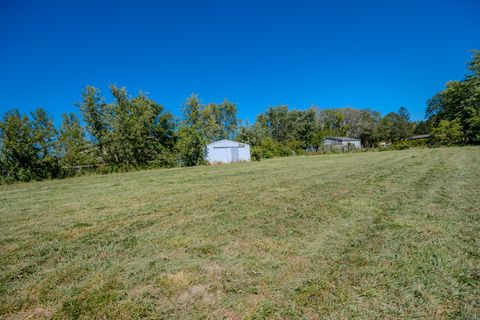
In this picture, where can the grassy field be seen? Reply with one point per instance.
(366, 235)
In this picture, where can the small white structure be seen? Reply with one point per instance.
(342, 142)
(226, 151)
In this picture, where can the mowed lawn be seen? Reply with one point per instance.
(365, 235)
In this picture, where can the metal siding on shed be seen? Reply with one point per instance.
(221, 151)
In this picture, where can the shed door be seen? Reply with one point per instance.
(234, 154)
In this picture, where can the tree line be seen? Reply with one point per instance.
(136, 132)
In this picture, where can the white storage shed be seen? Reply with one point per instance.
(226, 151)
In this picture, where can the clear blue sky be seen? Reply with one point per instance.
(365, 54)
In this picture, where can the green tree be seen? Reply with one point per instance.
(220, 120)
(74, 148)
(94, 112)
(421, 127)
(460, 100)
(192, 136)
(19, 155)
(44, 133)
(130, 131)
(289, 127)
(276, 121)
(368, 126)
(395, 126)
(45, 142)
(252, 135)
(405, 126)
(305, 125)
(192, 111)
(448, 132)
(138, 129)
(152, 129)
(333, 123)
(190, 146)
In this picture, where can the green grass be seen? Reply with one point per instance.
(366, 235)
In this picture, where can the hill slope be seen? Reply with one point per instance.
(370, 235)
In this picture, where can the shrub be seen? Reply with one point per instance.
(24, 175)
(402, 145)
(166, 159)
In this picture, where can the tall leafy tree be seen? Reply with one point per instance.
(138, 129)
(289, 127)
(45, 141)
(388, 128)
(305, 124)
(405, 126)
(421, 127)
(460, 101)
(395, 126)
(129, 131)
(220, 120)
(448, 132)
(192, 111)
(368, 125)
(152, 129)
(95, 113)
(19, 155)
(191, 135)
(253, 135)
(44, 133)
(276, 121)
(74, 148)
(333, 122)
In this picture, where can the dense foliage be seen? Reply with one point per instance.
(135, 132)
(280, 131)
(455, 112)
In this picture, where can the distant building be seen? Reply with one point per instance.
(420, 137)
(226, 151)
(342, 142)
(311, 149)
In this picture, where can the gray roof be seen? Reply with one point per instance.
(342, 139)
(420, 136)
(228, 142)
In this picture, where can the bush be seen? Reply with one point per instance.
(269, 148)
(7, 179)
(24, 175)
(256, 153)
(402, 145)
(166, 159)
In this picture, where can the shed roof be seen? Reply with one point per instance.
(342, 139)
(420, 136)
(227, 142)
